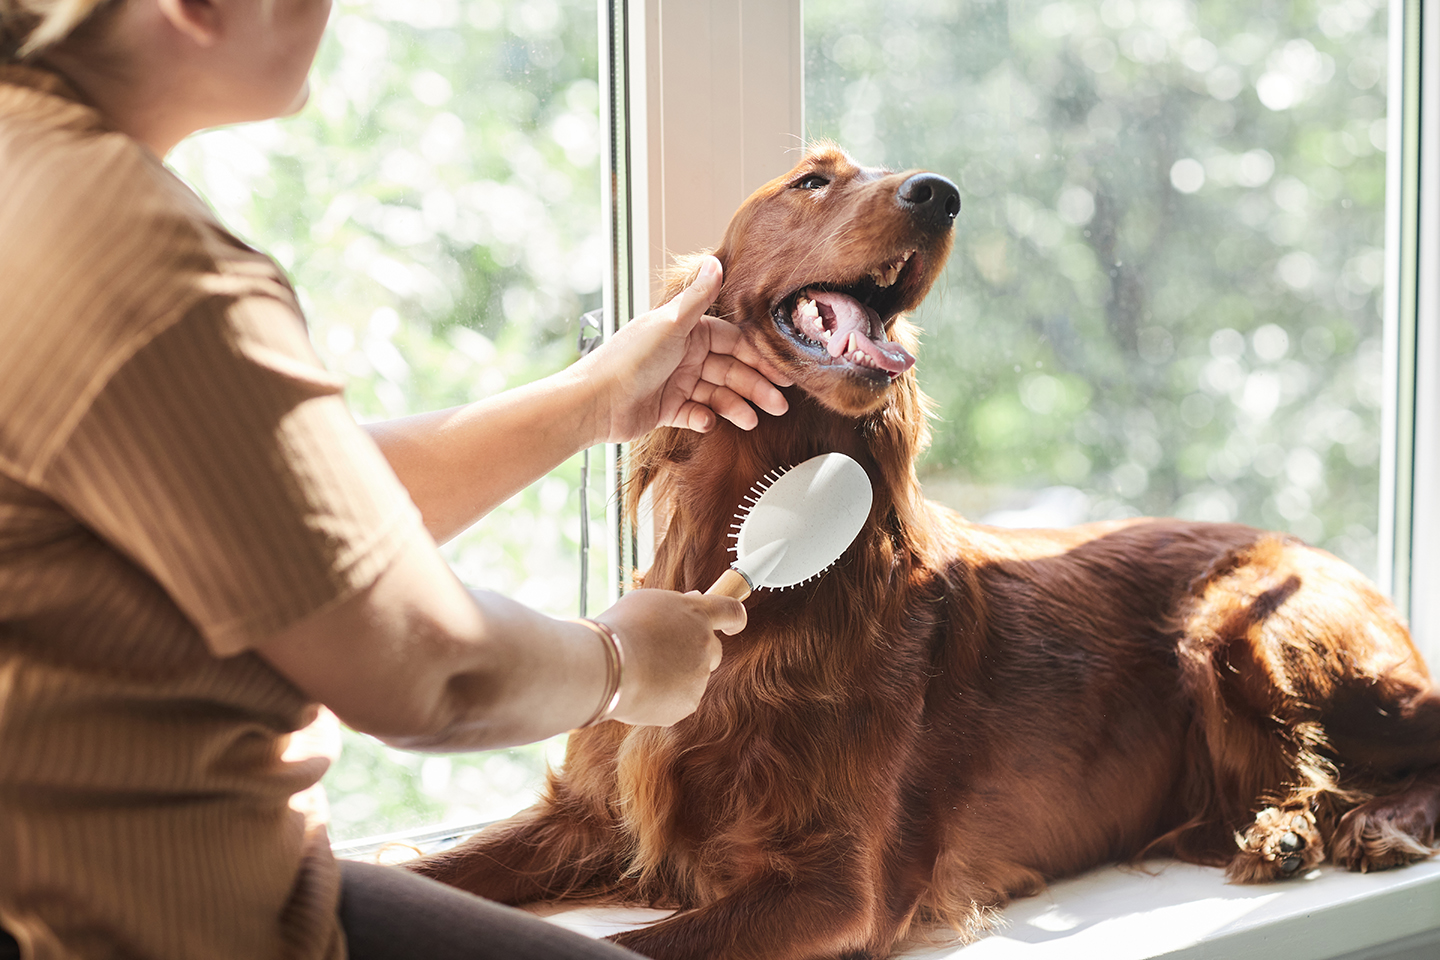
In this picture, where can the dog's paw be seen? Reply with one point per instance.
(1383, 833)
(1281, 843)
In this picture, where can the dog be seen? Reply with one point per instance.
(954, 714)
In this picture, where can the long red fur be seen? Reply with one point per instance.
(954, 714)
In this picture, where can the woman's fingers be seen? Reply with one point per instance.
(670, 650)
(707, 401)
(675, 366)
(730, 405)
(726, 338)
(691, 303)
(694, 415)
(740, 378)
(726, 613)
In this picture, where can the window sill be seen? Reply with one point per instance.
(1184, 912)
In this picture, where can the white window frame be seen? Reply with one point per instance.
(1410, 458)
(707, 103)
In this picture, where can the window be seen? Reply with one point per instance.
(1177, 281)
(1167, 293)
(881, 87)
(438, 206)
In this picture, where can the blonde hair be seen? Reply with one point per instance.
(29, 26)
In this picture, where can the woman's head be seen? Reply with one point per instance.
(162, 69)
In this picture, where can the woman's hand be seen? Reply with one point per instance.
(673, 366)
(670, 651)
(420, 662)
(676, 367)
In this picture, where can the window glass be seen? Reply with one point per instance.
(438, 206)
(1165, 292)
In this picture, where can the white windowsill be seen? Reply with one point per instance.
(1183, 912)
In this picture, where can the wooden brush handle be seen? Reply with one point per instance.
(731, 584)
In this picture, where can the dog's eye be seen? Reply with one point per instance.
(811, 182)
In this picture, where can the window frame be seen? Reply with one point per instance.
(1410, 455)
(705, 103)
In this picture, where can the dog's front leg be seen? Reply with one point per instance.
(774, 918)
(541, 854)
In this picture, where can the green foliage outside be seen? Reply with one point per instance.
(1164, 297)
(438, 206)
(1165, 293)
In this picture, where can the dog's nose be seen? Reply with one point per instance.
(930, 198)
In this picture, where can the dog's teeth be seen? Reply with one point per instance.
(853, 353)
(885, 276)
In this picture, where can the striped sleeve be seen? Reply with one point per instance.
(222, 460)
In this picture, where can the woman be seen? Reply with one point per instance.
(198, 545)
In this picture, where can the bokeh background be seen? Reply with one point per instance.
(438, 205)
(1164, 297)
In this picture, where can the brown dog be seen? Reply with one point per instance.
(954, 714)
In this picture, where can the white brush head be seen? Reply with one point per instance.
(799, 521)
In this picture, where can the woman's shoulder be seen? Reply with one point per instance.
(80, 191)
(102, 248)
(93, 201)
(90, 216)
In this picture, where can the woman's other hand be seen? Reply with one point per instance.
(420, 662)
(673, 366)
(676, 367)
(670, 651)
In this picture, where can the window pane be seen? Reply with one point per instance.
(438, 205)
(1165, 292)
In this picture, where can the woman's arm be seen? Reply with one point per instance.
(421, 663)
(672, 366)
(460, 464)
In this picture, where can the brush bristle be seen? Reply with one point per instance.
(815, 576)
(747, 503)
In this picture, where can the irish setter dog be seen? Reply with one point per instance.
(955, 713)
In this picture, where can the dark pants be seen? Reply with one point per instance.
(389, 914)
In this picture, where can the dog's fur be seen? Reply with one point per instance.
(956, 713)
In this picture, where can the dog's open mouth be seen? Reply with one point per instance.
(847, 322)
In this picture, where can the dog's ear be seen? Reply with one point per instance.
(651, 456)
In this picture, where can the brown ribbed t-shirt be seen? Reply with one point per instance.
(179, 480)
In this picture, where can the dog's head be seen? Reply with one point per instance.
(821, 264)
(820, 267)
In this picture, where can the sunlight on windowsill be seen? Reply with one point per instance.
(1173, 910)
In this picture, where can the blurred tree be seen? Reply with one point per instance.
(438, 205)
(1165, 292)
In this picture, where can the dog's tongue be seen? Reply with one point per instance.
(851, 325)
